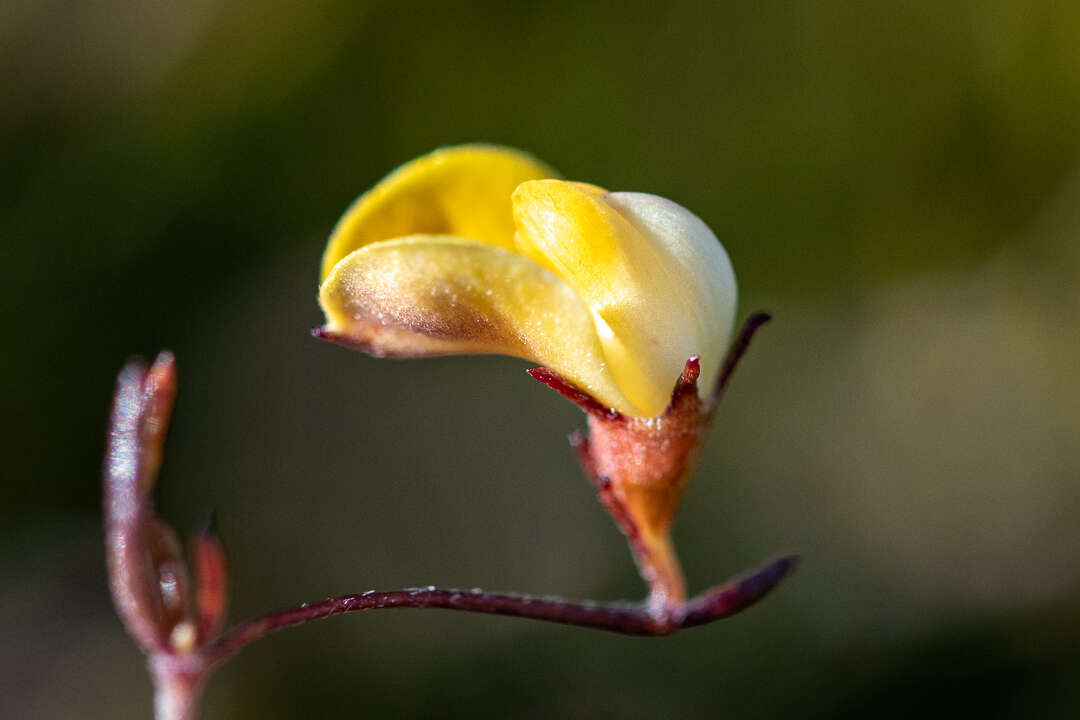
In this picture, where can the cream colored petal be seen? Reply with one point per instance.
(658, 282)
(463, 191)
(441, 295)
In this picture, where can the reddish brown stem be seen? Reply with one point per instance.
(711, 605)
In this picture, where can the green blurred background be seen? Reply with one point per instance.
(898, 182)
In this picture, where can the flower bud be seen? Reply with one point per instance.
(477, 250)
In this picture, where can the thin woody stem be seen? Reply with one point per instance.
(711, 605)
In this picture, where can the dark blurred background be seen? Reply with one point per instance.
(898, 182)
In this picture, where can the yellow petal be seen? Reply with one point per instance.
(657, 281)
(463, 191)
(442, 295)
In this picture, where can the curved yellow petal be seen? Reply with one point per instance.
(657, 281)
(442, 295)
(463, 191)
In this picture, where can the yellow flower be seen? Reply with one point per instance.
(477, 249)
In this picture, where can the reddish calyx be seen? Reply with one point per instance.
(641, 466)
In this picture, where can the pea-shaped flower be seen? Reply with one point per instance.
(620, 296)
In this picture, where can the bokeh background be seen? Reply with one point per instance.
(897, 182)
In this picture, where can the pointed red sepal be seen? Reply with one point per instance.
(574, 394)
(737, 350)
(686, 387)
(691, 372)
(211, 570)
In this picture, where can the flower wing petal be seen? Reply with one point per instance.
(462, 191)
(442, 295)
(707, 286)
(657, 281)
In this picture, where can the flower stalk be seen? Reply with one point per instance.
(173, 604)
(641, 466)
(624, 619)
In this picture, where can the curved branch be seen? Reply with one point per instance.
(711, 605)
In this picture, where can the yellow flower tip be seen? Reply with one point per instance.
(460, 190)
(476, 249)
